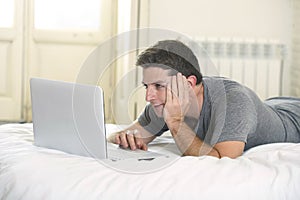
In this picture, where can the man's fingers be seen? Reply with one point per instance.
(186, 91)
(117, 139)
(140, 142)
(144, 147)
(174, 87)
(131, 141)
(180, 86)
(169, 91)
(123, 137)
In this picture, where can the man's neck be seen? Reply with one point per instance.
(199, 91)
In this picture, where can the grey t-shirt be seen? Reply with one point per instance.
(233, 112)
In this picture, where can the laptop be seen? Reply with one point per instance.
(70, 117)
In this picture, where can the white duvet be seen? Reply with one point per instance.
(29, 172)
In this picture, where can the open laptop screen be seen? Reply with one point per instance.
(68, 117)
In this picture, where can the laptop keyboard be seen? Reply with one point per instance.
(122, 154)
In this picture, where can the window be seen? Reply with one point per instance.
(67, 14)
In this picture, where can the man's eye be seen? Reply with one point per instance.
(146, 86)
(159, 86)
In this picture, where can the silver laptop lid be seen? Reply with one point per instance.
(68, 117)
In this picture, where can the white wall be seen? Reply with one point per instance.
(230, 18)
(295, 66)
(244, 19)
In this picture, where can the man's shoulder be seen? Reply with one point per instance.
(219, 84)
(221, 88)
(215, 80)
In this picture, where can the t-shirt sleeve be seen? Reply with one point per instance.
(233, 117)
(151, 122)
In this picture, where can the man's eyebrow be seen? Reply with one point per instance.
(156, 82)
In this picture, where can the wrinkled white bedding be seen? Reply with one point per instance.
(29, 172)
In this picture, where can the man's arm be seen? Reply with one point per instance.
(181, 103)
(133, 137)
(191, 145)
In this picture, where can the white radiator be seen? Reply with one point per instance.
(256, 64)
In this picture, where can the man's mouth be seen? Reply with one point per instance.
(158, 105)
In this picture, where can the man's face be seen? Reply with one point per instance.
(155, 81)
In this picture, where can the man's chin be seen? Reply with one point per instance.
(158, 110)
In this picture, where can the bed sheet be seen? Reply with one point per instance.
(28, 172)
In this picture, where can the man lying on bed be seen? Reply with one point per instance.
(205, 115)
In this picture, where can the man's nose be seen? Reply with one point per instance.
(150, 93)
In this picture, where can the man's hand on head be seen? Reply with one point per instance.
(181, 101)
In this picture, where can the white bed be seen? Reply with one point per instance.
(29, 172)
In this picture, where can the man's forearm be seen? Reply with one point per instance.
(189, 144)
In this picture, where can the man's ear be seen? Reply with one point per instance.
(192, 80)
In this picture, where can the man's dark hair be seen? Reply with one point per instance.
(171, 54)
